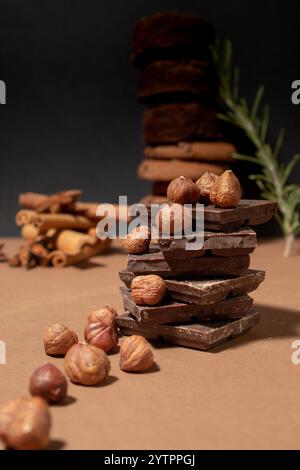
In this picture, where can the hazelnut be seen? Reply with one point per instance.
(58, 339)
(205, 183)
(135, 354)
(49, 383)
(86, 364)
(173, 219)
(226, 191)
(183, 191)
(25, 423)
(213, 191)
(138, 240)
(101, 330)
(148, 290)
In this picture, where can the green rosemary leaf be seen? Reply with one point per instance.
(278, 144)
(236, 79)
(289, 167)
(248, 158)
(274, 174)
(257, 100)
(244, 106)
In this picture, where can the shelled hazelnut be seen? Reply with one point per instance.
(101, 329)
(205, 183)
(173, 219)
(49, 383)
(148, 290)
(135, 354)
(58, 339)
(213, 191)
(25, 423)
(226, 191)
(183, 190)
(138, 240)
(86, 364)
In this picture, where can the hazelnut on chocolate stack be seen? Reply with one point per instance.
(178, 84)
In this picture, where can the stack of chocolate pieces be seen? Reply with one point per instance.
(207, 299)
(58, 230)
(178, 84)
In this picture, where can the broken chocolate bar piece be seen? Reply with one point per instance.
(171, 35)
(202, 335)
(201, 266)
(177, 78)
(176, 312)
(207, 291)
(249, 212)
(240, 242)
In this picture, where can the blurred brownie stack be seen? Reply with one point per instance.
(178, 84)
(195, 297)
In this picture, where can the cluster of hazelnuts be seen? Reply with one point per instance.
(25, 422)
(223, 191)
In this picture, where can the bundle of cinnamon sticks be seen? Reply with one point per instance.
(58, 230)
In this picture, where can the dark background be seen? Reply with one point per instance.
(72, 119)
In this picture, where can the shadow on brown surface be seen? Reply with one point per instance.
(68, 400)
(274, 323)
(88, 264)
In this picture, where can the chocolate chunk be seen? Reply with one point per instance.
(179, 78)
(206, 291)
(176, 312)
(201, 266)
(240, 242)
(176, 122)
(248, 212)
(202, 335)
(171, 35)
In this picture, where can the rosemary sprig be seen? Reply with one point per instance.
(273, 179)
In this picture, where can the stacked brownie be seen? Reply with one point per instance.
(178, 84)
(207, 299)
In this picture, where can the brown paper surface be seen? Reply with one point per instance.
(242, 395)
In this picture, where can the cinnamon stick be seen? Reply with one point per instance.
(26, 258)
(25, 216)
(89, 209)
(71, 242)
(31, 200)
(53, 203)
(29, 232)
(59, 259)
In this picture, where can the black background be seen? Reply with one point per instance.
(72, 119)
